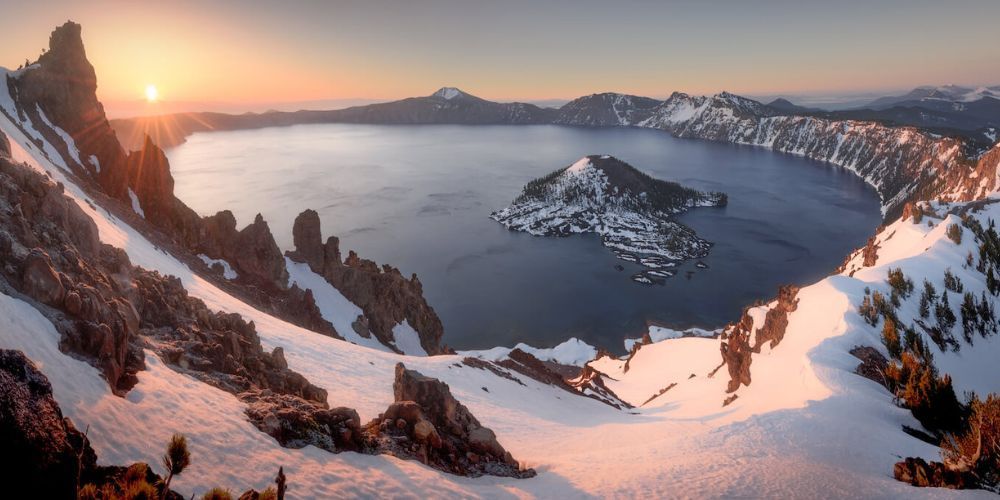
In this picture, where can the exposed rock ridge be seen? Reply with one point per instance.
(736, 348)
(383, 294)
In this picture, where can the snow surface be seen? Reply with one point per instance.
(70, 143)
(660, 333)
(136, 206)
(807, 427)
(448, 93)
(573, 352)
(227, 271)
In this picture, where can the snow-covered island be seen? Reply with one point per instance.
(629, 209)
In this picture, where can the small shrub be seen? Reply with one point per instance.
(890, 337)
(977, 448)
(970, 316)
(900, 283)
(945, 316)
(176, 459)
(217, 494)
(952, 282)
(955, 233)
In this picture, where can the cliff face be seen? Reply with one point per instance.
(385, 296)
(900, 162)
(63, 85)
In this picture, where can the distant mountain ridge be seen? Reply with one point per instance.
(900, 162)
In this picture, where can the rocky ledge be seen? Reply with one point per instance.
(385, 296)
(629, 209)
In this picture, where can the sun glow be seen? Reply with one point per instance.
(152, 95)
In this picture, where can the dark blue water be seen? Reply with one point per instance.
(419, 197)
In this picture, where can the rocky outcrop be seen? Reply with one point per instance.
(736, 349)
(221, 349)
(149, 178)
(919, 472)
(439, 430)
(776, 318)
(383, 294)
(736, 353)
(63, 85)
(873, 364)
(52, 255)
(425, 422)
(108, 310)
(257, 254)
(42, 451)
(296, 423)
(4, 146)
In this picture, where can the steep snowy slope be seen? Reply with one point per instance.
(807, 426)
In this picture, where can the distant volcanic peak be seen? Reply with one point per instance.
(450, 93)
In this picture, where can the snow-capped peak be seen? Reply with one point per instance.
(448, 93)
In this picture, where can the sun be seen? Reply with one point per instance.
(151, 93)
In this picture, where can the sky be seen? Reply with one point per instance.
(242, 53)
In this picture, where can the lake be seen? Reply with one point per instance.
(419, 198)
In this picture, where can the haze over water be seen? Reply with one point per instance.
(419, 198)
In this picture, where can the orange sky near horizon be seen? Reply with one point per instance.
(269, 52)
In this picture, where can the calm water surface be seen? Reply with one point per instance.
(419, 197)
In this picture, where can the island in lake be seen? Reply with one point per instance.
(629, 209)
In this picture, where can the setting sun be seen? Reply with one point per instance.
(151, 93)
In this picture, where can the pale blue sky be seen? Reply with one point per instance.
(291, 50)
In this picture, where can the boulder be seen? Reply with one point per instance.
(448, 436)
(39, 459)
(308, 241)
(40, 280)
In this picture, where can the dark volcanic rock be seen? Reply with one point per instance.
(149, 178)
(257, 254)
(308, 240)
(296, 423)
(776, 319)
(736, 353)
(39, 458)
(873, 364)
(444, 432)
(736, 349)
(383, 294)
(63, 84)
